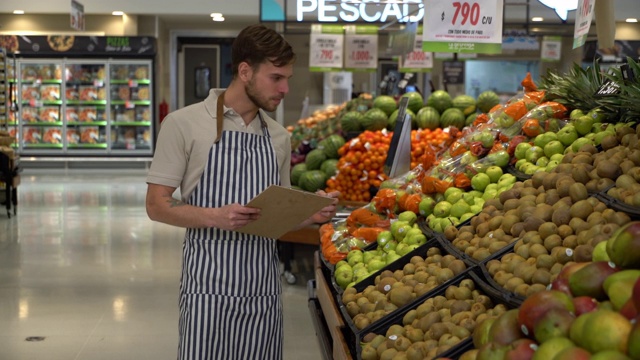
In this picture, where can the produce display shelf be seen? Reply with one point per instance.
(87, 102)
(520, 176)
(132, 102)
(42, 103)
(87, 123)
(87, 146)
(319, 323)
(40, 81)
(42, 123)
(127, 82)
(131, 123)
(43, 146)
(617, 205)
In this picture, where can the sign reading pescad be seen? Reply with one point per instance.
(353, 11)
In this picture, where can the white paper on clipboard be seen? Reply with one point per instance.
(282, 210)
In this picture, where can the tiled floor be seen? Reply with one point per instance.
(83, 267)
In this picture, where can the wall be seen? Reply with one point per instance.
(59, 24)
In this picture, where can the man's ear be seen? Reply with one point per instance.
(244, 71)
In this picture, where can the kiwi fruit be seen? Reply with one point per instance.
(582, 158)
(561, 216)
(581, 209)
(583, 253)
(608, 169)
(545, 262)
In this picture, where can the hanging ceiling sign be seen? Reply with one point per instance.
(583, 22)
(371, 11)
(561, 7)
(463, 26)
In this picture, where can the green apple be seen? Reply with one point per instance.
(494, 173)
(354, 257)
(384, 237)
(361, 274)
(402, 249)
(519, 163)
(450, 221)
(401, 232)
(597, 115)
(478, 201)
(486, 138)
(442, 209)
(530, 170)
(534, 153)
(576, 113)
(392, 256)
(543, 161)
(343, 278)
(553, 147)
(476, 208)
(600, 252)
(453, 194)
(368, 255)
(391, 245)
(597, 140)
(490, 194)
(468, 197)
(583, 124)
(459, 208)
(437, 225)
(480, 181)
(467, 158)
(341, 263)
(499, 158)
(409, 216)
(504, 121)
(521, 150)
(599, 127)
(466, 216)
(551, 165)
(395, 225)
(538, 114)
(556, 157)
(567, 135)
(438, 197)
(412, 232)
(580, 143)
(507, 178)
(426, 206)
(375, 264)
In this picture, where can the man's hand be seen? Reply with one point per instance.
(328, 212)
(235, 216)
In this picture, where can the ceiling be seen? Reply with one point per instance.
(190, 11)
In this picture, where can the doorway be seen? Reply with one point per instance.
(198, 71)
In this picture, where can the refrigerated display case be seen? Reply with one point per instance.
(94, 97)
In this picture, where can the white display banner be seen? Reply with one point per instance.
(551, 48)
(326, 47)
(417, 60)
(361, 48)
(584, 15)
(77, 16)
(463, 26)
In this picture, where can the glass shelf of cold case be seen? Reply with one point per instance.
(42, 137)
(130, 137)
(86, 137)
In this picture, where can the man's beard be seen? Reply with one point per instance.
(254, 96)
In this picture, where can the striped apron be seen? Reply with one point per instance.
(230, 305)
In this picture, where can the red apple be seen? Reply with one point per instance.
(584, 304)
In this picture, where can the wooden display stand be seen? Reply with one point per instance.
(331, 312)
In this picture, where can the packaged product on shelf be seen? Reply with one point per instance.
(141, 73)
(29, 73)
(71, 114)
(143, 113)
(87, 114)
(89, 135)
(71, 93)
(120, 72)
(141, 93)
(122, 92)
(29, 114)
(30, 93)
(32, 135)
(88, 93)
(52, 135)
(49, 114)
(73, 136)
(50, 92)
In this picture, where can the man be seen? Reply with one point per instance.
(222, 152)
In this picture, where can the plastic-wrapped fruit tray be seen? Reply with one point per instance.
(396, 318)
(617, 205)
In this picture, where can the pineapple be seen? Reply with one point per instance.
(576, 89)
(628, 100)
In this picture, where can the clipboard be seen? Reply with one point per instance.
(282, 210)
(398, 159)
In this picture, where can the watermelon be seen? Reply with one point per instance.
(451, 117)
(470, 119)
(314, 159)
(312, 181)
(487, 100)
(351, 121)
(330, 145)
(415, 101)
(391, 124)
(374, 120)
(440, 100)
(428, 118)
(385, 103)
(329, 167)
(296, 187)
(465, 103)
(296, 171)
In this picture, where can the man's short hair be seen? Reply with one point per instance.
(257, 44)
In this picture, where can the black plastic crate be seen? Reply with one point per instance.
(465, 344)
(617, 205)
(508, 296)
(520, 176)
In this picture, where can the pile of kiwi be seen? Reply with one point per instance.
(435, 326)
(393, 290)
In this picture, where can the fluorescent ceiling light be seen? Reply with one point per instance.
(218, 18)
(537, 19)
(632, 20)
(18, 12)
(117, 13)
(213, 15)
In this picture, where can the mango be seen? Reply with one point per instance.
(623, 247)
(605, 330)
(550, 348)
(589, 280)
(619, 286)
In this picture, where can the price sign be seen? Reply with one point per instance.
(473, 26)
(417, 60)
(361, 48)
(584, 15)
(326, 47)
(551, 48)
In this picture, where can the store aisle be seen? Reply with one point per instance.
(84, 268)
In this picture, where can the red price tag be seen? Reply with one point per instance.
(326, 54)
(360, 55)
(417, 56)
(129, 105)
(133, 83)
(98, 83)
(467, 12)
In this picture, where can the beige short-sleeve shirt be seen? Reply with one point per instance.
(187, 134)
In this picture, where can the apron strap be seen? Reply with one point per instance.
(219, 117)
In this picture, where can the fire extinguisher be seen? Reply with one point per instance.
(164, 110)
